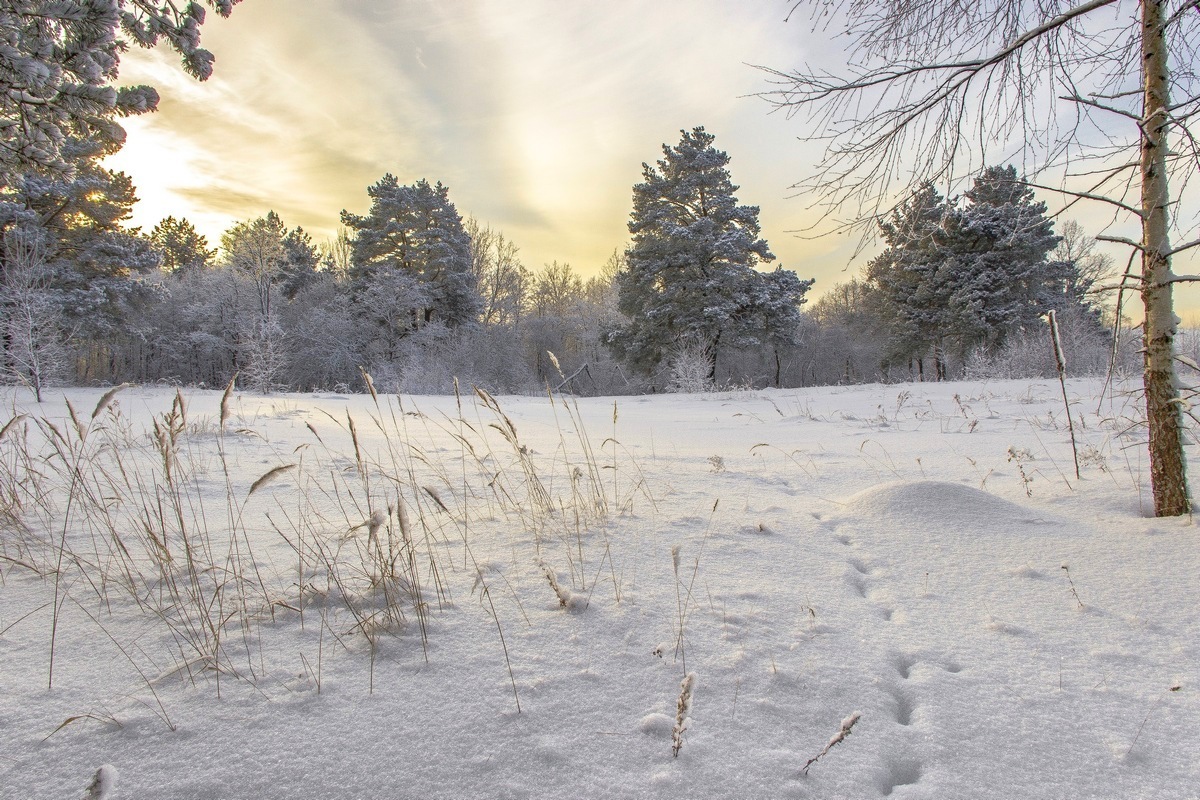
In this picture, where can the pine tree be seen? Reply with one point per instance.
(59, 64)
(180, 246)
(778, 297)
(91, 266)
(912, 301)
(690, 277)
(955, 279)
(300, 262)
(997, 265)
(417, 231)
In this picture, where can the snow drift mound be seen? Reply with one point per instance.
(937, 504)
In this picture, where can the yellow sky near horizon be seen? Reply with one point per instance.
(536, 114)
(538, 117)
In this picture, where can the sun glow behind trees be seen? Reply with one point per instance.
(538, 117)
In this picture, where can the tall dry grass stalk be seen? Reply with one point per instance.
(683, 707)
(683, 599)
(354, 524)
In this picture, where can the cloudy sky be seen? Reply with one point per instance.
(536, 113)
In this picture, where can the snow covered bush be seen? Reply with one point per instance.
(1029, 354)
(264, 347)
(429, 361)
(35, 352)
(690, 368)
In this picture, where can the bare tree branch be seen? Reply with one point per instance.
(1120, 240)
(937, 86)
(1101, 106)
(1182, 247)
(1086, 196)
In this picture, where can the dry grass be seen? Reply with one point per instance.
(355, 531)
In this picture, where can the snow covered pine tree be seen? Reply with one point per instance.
(691, 277)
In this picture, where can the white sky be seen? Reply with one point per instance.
(537, 114)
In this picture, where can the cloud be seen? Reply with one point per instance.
(536, 114)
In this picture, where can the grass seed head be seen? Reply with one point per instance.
(107, 398)
(11, 423)
(225, 399)
(270, 477)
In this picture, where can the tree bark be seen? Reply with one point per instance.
(1168, 477)
(712, 358)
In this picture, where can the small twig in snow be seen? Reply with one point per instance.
(1067, 569)
(847, 724)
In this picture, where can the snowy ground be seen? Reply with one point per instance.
(922, 555)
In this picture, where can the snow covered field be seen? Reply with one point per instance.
(377, 618)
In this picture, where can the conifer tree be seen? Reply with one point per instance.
(180, 246)
(415, 230)
(300, 262)
(59, 64)
(690, 277)
(954, 279)
(998, 270)
(904, 278)
(90, 262)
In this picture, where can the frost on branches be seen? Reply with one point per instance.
(691, 274)
(958, 279)
(59, 60)
(414, 234)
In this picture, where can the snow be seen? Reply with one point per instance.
(1001, 628)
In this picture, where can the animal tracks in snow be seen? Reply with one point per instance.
(870, 583)
(880, 598)
(904, 706)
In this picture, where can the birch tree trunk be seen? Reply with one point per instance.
(1168, 478)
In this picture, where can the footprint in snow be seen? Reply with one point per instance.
(903, 706)
(897, 773)
(904, 664)
(859, 566)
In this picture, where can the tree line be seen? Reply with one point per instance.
(417, 296)
(964, 284)
(921, 90)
